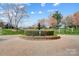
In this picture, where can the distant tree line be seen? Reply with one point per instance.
(56, 20)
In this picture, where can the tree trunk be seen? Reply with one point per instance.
(76, 26)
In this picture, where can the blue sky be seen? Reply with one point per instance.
(38, 11)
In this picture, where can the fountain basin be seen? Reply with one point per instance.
(41, 37)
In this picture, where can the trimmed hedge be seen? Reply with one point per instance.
(36, 33)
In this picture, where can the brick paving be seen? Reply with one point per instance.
(14, 45)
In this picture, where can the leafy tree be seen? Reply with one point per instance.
(52, 22)
(58, 17)
(76, 19)
(1, 23)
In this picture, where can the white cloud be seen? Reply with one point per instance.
(21, 6)
(56, 4)
(40, 12)
(4, 19)
(32, 12)
(1, 11)
(28, 4)
(1, 8)
(52, 10)
(43, 4)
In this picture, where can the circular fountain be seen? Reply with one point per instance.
(41, 34)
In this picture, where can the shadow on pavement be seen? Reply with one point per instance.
(3, 39)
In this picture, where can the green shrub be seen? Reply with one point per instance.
(36, 33)
(32, 33)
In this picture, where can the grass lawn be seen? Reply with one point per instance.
(56, 31)
(65, 31)
(68, 31)
(11, 32)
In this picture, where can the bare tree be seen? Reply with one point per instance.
(15, 13)
(67, 21)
